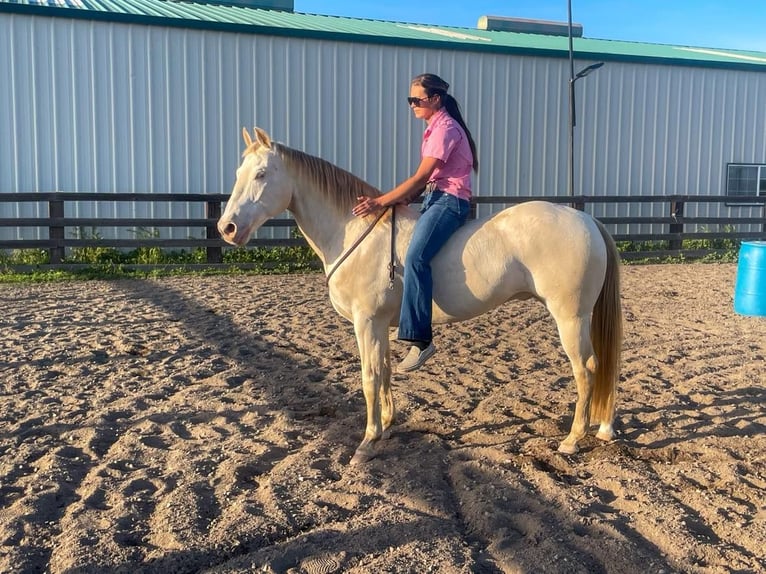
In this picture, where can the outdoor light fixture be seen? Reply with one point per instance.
(572, 79)
(585, 71)
(581, 74)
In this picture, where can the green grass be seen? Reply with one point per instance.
(100, 262)
(722, 250)
(87, 263)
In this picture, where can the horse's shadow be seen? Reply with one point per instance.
(493, 521)
(136, 409)
(508, 516)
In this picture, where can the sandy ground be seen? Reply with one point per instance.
(206, 424)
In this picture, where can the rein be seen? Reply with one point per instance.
(391, 264)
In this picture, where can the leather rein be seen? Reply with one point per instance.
(392, 262)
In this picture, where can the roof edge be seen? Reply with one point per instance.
(442, 43)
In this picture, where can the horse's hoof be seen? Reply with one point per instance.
(386, 434)
(606, 437)
(362, 457)
(605, 433)
(568, 448)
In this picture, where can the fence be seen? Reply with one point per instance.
(674, 223)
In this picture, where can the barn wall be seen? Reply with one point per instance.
(99, 106)
(661, 130)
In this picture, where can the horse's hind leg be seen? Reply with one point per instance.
(575, 338)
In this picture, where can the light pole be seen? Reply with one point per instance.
(572, 79)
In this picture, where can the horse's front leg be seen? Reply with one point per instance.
(372, 339)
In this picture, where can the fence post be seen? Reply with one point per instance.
(214, 252)
(677, 213)
(56, 231)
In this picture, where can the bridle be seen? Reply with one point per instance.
(392, 262)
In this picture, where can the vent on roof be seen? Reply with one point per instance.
(284, 5)
(501, 24)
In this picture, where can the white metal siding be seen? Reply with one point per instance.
(98, 106)
(648, 130)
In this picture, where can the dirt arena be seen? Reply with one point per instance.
(205, 424)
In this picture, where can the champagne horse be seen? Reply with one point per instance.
(558, 255)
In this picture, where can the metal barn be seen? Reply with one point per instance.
(151, 96)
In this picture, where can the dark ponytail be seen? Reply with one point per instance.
(434, 85)
(453, 109)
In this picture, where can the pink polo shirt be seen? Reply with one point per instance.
(444, 139)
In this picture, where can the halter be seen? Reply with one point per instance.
(392, 262)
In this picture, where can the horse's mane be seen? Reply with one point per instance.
(339, 186)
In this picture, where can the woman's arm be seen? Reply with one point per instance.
(408, 189)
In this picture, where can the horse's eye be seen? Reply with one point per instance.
(260, 174)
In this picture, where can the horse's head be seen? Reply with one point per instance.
(260, 192)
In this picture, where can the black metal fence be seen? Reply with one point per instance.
(675, 225)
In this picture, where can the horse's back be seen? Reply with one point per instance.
(533, 249)
(544, 235)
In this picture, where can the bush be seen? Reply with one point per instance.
(110, 263)
(92, 255)
(26, 257)
(637, 246)
(274, 259)
(727, 248)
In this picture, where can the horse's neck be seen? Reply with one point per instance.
(321, 224)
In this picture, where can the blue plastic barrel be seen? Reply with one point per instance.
(750, 288)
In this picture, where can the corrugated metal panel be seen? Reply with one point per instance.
(100, 106)
(160, 110)
(646, 130)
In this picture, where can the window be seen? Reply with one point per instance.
(745, 180)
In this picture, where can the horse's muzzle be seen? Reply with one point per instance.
(228, 231)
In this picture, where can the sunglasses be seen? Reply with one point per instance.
(417, 101)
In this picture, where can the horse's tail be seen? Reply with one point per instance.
(606, 335)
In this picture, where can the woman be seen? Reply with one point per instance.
(448, 153)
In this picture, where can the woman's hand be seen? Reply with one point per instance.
(366, 206)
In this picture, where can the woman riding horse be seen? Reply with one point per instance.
(448, 153)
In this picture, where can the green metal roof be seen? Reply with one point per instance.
(285, 23)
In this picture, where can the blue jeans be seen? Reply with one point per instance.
(441, 214)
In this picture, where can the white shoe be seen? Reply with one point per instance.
(416, 358)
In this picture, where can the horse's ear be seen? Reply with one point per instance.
(262, 137)
(247, 138)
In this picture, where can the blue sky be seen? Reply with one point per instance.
(733, 24)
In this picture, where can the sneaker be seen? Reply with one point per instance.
(416, 358)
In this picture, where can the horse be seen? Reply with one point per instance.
(562, 257)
